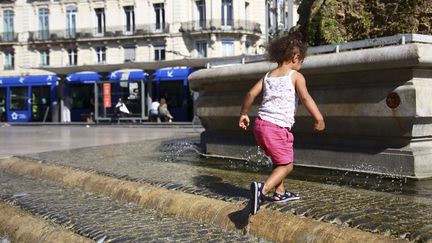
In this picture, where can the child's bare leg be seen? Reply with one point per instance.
(280, 188)
(277, 176)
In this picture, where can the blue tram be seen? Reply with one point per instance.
(78, 96)
(27, 98)
(172, 84)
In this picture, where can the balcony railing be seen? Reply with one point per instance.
(89, 33)
(39, 35)
(8, 67)
(236, 25)
(8, 37)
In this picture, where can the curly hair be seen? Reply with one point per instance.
(284, 48)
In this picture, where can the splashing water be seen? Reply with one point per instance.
(255, 160)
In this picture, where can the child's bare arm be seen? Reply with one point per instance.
(308, 102)
(249, 99)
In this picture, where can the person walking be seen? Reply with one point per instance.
(281, 88)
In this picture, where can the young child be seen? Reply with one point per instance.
(281, 89)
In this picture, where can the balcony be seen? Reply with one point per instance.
(8, 37)
(218, 25)
(40, 35)
(97, 33)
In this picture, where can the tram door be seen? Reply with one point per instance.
(19, 104)
(2, 104)
(178, 98)
(81, 96)
(40, 103)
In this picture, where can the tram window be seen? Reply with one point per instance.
(173, 92)
(2, 104)
(81, 95)
(18, 98)
(40, 102)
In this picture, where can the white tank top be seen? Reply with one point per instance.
(279, 102)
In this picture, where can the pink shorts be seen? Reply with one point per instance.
(277, 142)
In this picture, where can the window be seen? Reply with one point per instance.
(200, 14)
(129, 53)
(73, 56)
(247, 11)
(44, 57)
(159, 53)
(43, 24)
(100, 21)
(271, 16)
(81, 96)
(8, 25)
(130, 19)
(227, 48)
(9, 61)
(227, 13)
(18, 98)
(3, 104)
(201, 47)
(71, 21)
(160, 16)
(100, 55)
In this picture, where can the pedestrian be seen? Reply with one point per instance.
(121, 108)
(164, 113)
(154, 111)
(281, 88)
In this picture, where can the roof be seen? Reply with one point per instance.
(83, 77)
(128, 74)
(148, 66)
(26, 80)
(172, 73)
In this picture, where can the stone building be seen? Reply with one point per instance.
(61, 33)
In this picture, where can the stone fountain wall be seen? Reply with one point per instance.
(354, 90)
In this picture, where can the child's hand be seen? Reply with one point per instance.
(319, 126)
(244, 122)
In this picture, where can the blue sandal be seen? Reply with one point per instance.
(282, 198)
(257, 197)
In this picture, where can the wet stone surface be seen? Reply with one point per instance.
(98, 217)
(3, 239)
(176, 166)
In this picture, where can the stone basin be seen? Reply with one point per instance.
(376, 103)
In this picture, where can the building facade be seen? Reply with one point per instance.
(86, 32)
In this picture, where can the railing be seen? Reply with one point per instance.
(8, 37)
(8, 67)
(87, 33)
(336, 48)
(369, 43)
(220, 25)
(39, 35)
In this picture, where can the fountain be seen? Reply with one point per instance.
(376, 103)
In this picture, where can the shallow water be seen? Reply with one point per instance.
(187, 152)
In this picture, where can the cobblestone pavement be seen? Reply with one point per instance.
(98, 217)
(176, 166)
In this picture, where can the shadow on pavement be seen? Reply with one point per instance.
(241, 218)
(216, 185)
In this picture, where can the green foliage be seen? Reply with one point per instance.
(336, 21)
